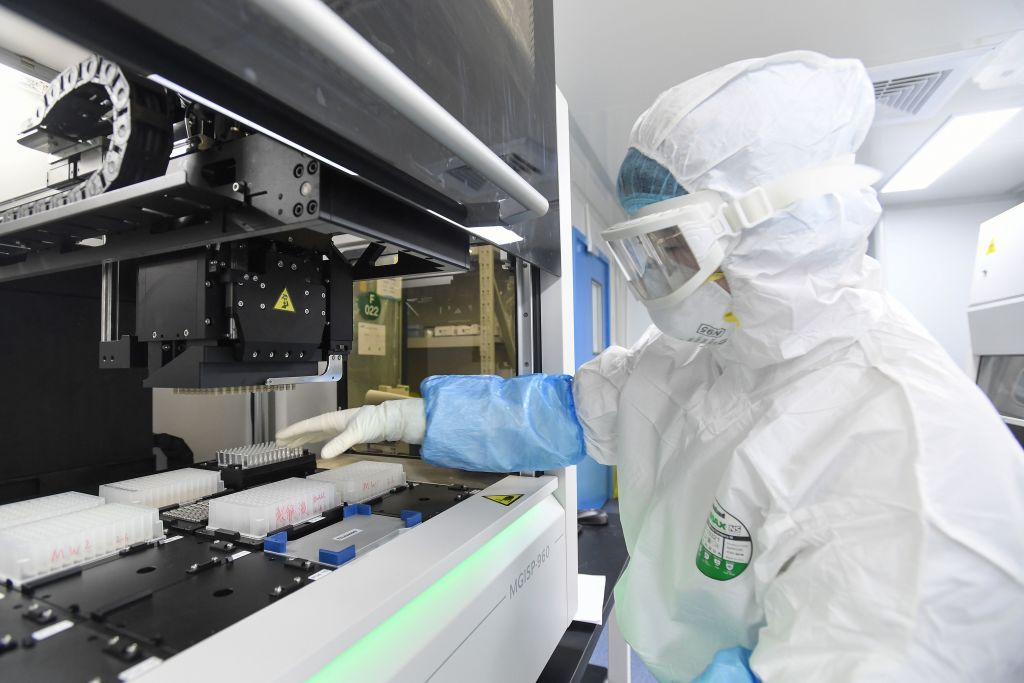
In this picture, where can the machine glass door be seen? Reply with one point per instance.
(1002, 380)
(408, 329)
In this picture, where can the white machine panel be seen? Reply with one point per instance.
(997, 264)
(997, 329)
(996, 311)
(429, 603)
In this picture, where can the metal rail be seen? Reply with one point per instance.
(326, 32)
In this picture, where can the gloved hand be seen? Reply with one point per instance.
(398, 420)
(729, 666)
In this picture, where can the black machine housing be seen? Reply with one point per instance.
(236, 314)
(228, 243)
(170, 252)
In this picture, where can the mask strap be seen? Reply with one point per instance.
(763, 202)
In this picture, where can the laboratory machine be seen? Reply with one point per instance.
(996, 315)
(220, 177)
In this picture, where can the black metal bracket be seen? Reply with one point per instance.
(122, 354)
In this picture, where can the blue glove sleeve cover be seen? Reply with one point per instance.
(729, 666)
(489, 424)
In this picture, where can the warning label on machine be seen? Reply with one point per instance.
(284, 302)
(725, 546)
(506, 499)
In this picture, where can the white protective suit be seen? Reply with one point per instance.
(831, 444)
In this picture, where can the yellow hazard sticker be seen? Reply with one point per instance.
(991, 248)
(284, 302)
(506, 499)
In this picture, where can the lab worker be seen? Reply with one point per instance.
(810, 489)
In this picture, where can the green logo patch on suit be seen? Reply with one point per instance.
(725, 546)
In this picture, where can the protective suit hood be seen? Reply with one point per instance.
(820, 489)
(800, 279)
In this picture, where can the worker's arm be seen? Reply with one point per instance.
(843, 542)
(843, 607)
(472, 422)
(489, 424)
(598, 387)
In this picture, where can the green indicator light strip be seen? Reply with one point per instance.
(367, 658)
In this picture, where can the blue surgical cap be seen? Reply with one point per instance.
(643, 181)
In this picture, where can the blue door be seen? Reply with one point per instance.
(590, 318)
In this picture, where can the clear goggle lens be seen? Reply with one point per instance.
(656, 263)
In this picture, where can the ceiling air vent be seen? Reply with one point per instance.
(917, 90)
(908, 94)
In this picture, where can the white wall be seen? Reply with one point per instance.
(595, 207)
(927, 255)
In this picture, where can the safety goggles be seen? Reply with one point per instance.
(661, 251)
(669, 249)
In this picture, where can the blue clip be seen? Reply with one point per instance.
(278, 543)
(356, 509)
(337, 557)
(410, 517)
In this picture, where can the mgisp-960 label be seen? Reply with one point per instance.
(523, 577)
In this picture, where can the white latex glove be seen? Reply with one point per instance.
(397, 420)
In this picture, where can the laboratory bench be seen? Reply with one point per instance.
(602, 551)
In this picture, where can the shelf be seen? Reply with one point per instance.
(465, 341)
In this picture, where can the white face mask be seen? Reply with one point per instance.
(704, 317)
